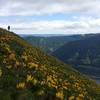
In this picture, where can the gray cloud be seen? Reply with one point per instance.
(77, 25)
(40, 7)
(50, 7)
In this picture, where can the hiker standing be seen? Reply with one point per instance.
(8, 28)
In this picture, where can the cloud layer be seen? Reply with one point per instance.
(84, 15)
(40, 7)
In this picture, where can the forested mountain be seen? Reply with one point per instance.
(51, 43)
(84, 55)
(27, 73)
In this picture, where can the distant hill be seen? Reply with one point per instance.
(84, 55)
(27, 73)
(50, 43)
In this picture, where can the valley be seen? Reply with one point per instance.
(26, 72)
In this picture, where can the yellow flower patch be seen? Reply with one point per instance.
(32, 65)
(20, 85)
(0, 72)
(29, 78)
(60, 95)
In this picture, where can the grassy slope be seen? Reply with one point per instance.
(26, 73)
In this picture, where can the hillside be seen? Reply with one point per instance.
(52, 43)
(84, 55)
(27, 73)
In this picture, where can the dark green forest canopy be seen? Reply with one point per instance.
(52, 43)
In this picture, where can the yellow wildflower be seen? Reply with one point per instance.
(40, 93)
(9, 66)
(25, 57)
(77, 98)
(0, 72)
(71, 98)
(60, 95)
(81, 95)
(17, 63)
(29, 78)
(12, 56)
(34, 81)
(32, 65)
(20, 85)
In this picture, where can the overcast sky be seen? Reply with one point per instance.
(51, 16)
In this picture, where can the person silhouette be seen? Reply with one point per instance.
(8, 28)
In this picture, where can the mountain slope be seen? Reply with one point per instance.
(50, 44)
(26, 73)
(83, 54)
